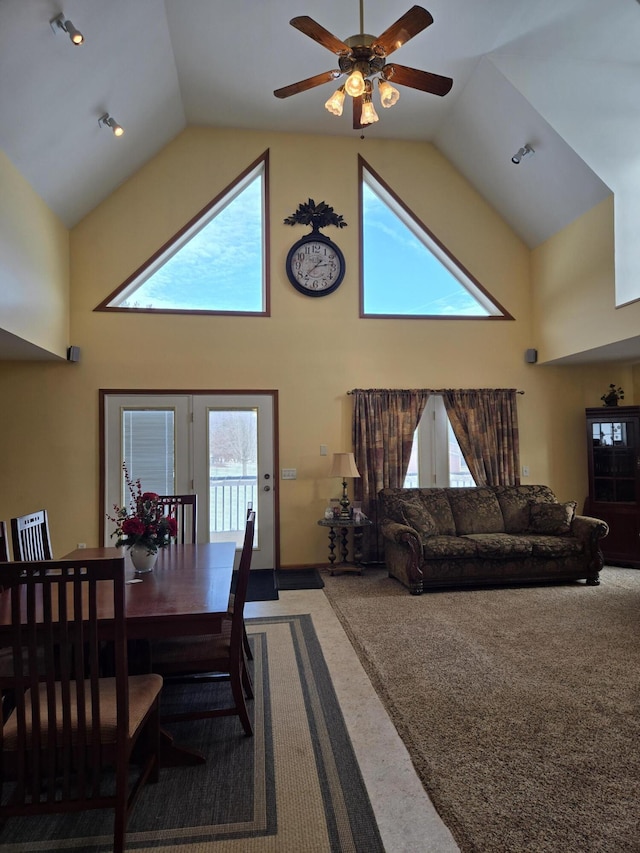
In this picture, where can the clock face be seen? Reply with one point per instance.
(315, 266)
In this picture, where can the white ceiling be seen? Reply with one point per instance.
(562, 75)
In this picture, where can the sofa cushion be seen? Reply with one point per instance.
(476, 510)
(436, 503)
(417, 516)
(448, 547)
(556, 546)
(551, 519)
(514, 502)
(501, 545)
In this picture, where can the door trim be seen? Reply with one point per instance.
(104, 392)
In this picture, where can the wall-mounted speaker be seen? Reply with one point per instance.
(73, 354)
(531, 356)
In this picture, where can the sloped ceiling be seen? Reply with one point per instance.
(562, 76)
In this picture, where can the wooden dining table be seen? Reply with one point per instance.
(187, 593)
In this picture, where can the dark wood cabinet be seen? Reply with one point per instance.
(613, 448)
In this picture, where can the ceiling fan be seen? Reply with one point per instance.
(363, 58)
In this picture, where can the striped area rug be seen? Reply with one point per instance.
(294, 786)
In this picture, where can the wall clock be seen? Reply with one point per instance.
(315, 265)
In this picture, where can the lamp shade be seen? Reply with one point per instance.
(344, 465)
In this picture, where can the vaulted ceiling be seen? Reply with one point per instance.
(561, 75)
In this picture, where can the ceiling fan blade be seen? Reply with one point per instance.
(423, 80)
(405, 28)
(309, 83)
(318, 33)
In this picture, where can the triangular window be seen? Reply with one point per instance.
(406, 270)
(216, 263)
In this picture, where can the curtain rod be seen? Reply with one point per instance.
(429, 390)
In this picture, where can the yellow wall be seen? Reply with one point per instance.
(311, 350)
(574, 287)
(34, 265)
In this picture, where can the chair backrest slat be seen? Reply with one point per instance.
(55, 733)
(30, 536)
(4, 543)
(184, 508)
(244, 567)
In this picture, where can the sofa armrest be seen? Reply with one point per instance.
(397, 532)
(403, 553)
(590, 531)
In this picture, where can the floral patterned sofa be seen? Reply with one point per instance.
(488, 534)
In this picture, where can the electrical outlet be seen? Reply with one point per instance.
(82, 545)
(289, 473)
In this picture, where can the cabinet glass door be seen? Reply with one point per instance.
(614, 461)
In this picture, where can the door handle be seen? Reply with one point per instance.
(266, 489)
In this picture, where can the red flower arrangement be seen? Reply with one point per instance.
(143, 522)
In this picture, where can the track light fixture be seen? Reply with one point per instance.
(522, 153)
(61, 25)
(107, 121)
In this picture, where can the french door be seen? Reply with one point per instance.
(218, 446)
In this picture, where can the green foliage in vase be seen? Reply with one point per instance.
(613, 394)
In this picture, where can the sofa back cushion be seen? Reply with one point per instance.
(514, 502)
(436, 503)
(475, 510)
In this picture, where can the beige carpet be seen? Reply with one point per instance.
(519, 706)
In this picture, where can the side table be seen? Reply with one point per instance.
(344, 525)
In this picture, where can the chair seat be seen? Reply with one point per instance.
(143, 692)
(187, 655)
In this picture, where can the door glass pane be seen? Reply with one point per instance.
(233, 467)
(148, 445)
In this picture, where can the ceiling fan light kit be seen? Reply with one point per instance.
(363, 58)
(335, 103)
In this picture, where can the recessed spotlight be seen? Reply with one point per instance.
(524, 152)
(60, 24)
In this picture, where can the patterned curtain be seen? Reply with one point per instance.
(485, 422)
(384, 422)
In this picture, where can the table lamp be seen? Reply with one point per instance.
(344, 465)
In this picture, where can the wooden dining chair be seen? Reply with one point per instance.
(4, 542)
(184, 509)
(214, 655)
(70, 723)
(30, 536)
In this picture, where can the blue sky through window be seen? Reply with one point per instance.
(401, 275)
(220, 268)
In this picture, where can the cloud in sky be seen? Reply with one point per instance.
(219, 269)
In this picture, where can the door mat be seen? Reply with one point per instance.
(262, 585)
(298, 579)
